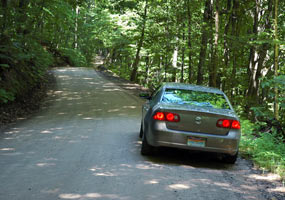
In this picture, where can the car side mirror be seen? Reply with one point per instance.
(145, 96)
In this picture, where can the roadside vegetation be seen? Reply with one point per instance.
(232, 45)
(267, 149)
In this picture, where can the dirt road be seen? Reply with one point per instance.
(85, 145)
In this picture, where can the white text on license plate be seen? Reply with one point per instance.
(196, 142)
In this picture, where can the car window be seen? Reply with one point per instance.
(195, 98)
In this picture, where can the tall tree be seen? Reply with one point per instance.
(276, 51)
(140, 44)
(204, 40)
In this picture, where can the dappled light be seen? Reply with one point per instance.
(7, 149)
(179, 186)
(267, 177)
(46, 131)
(45, 164)
(90, 196)
(85, 145)
(154, 181)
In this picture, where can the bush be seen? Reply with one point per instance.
(73, 57)
(264, 148)
(24, 63)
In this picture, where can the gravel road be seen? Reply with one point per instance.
(84, 144)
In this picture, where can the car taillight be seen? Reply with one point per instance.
(159, 116)
(166, 116)
(235, 124)
(228, 123)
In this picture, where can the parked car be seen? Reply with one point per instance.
(190, 117)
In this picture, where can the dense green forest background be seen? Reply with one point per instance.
(237, 46)
(234, 45)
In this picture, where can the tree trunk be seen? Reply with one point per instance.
(276, 51)
(204, 40)
(235, 33)
(183, 56)
(253, 58)
(190, 74)
(260, 55)
(76, 27)
(214, 57)
(146, 70)
(140, 44)
(174, 60)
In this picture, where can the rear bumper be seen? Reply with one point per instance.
(159, 135)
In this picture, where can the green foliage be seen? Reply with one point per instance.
(6, 96)
(73, 57)
(35, 35)
(267, 150)
(268, 84)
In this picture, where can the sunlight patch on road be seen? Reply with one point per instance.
(154, 181)
(7, 149)
(45, 164)
(90, 196)
(112, 90)
(179, 186)
(9, 138)
(53, 191)
(46, 132)
(222, 184)
(278, 189)
(267, 177)
(58, 138)
(113, 110)
(126, 165)
(95, 169)
(61, 113)
(70, 196)
(88, 118)
(131, 107)
(108, 174)
(58, 92)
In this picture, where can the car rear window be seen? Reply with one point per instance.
(195, 98)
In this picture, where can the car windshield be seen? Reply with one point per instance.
(195, 98)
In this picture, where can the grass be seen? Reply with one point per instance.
(265, 149)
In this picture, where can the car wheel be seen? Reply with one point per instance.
(230, 159)
(146, 148)
(141, 131)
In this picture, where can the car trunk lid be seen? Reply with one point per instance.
(198, 119)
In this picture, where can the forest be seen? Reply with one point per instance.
(236, 46)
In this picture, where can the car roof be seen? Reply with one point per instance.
(185, 86)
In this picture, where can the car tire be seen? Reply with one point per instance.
(141, 131)
(230, 159)
(146, 148)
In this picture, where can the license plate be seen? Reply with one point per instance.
(196, 142)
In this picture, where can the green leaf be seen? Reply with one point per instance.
(4, 65)
(48, 11)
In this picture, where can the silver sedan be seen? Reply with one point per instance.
(190, 117)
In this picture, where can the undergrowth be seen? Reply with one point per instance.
(266, 149)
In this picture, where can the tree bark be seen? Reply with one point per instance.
(214, 57)
(251, 70)
(204, 40)
(257, 62)
(190, 74)
(140, 44)
(235, 33)
(183, 56)
(276, 52)
(174, 60)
